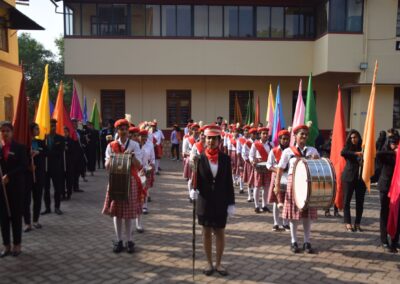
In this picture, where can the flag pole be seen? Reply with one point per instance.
(5, 193)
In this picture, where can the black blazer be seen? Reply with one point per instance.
(55, 153)
(215, 193)
(352, 168)
(388, 160)
(15, 167)
(40, 159)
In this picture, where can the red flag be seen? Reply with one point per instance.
(21, 123)
(394, 195)
(68, 124)
(257, 113)
(338, 142)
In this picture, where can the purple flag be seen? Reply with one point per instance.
(76, 111)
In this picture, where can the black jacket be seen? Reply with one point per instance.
(388, 160)
(40, 159)
(352, 169)
(215, 193)
(55, 153)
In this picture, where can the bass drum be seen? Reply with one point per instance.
(120, 176)
(314, 183)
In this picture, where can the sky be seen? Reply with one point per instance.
(43, 13)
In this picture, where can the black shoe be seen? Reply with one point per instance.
(286, 228)
(37, 226)
(130, 247)
(16, 253)
(294, 248)
(139, 230)
(249, 200)
(275, 228)
(208, 271)
(149, 199)
(307, 248)
(241, 191)
(68, 197)
(47, 211)
(190, 200)
(78, 190)
(257, 210)
(266, 209)
(117, 247)
(5, 253)
(145, 211)
(393, 250)
(337, 214)
(357, 228)
(58, 211)
(222, 272)
(27, 229)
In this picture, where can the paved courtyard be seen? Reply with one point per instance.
(76, 247)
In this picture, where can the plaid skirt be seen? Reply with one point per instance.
(233, 162)
(150, 179)
(247, 170)
(262, 179)
(271, 194)
(290, 210)
(128, 209)
(239, 165)
(187, 171)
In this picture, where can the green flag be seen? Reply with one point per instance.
(311, 114)
(95, 117)
(249, 111)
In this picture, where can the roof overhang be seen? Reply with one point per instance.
(17, 20)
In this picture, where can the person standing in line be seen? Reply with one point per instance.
(352, 180)
(175, 135)
(14, 164)
(158, 138)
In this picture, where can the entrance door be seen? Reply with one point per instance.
(112, 104)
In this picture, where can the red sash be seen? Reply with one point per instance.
(277, 153)
(186, 136)
(199, 147)
(295, 151)
(154, 140)
(249, 143)
(233, 141)
(260, 148)
(191, 140)
(242, 140)
(223, 134)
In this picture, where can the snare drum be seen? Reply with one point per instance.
(261, 167)
(314, 183)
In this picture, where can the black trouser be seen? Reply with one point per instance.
(33, 191)
(57, 177)
(348, 189)
(15, 199)
(70, 177)
(175, 149)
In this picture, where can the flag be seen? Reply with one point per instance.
(270, 109)
(43, 112)
(298, 117)
(257, 112)
(58, 113)
(21, 122)
(338, 142)
(249, 111)
(95, 117)
(311, 114)
(368, 144)
(394, 196)
(76, 111)
(51, 108)
(85, 116)
(238, 113)
(279, 121)
(68, 124)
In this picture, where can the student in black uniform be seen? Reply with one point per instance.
(352, 180)
(13, 163)
(387, 159)
(34, 188)
(55, 168)
(92, 146)
(71, 160)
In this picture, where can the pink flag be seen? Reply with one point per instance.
(299, 112)
(394, 196)
(76, 111)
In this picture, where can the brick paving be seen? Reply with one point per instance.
(76, 247)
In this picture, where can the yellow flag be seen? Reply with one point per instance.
(270, 109)
(43, 112)
(369, 150)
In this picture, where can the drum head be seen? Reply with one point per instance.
(300, 184)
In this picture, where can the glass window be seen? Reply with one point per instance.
(246, 21)
(277, 18)
(153, 20)
(184, 20)
(178, 107)
(168, 20)
(138, 20)
(215, 21)
(3, 36)
(322, 19)
(69, 19)
(354, 16)
(89, 20)
(396, 108)
(337, 15)
(398, 20)
(201, 21)
(263, 21)
(112, 19)
(299, 22)
(231, 21)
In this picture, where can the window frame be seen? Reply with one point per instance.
(345, 19)
(4, 38)
(182, 93)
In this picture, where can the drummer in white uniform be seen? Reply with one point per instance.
(187, 146)
(290, 210)
(248, 169)
(259, 153)
(274, 196)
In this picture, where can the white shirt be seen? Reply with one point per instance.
(254, 154)
(132, 147)
(159, 136)
(230, 146)
(214, 168)
(186, 146)
(148, 156)
(238, 147)
(288, 157)
(246, 150)
(271, 162)
(226, 138)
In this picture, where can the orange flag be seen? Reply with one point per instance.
(257, 112)
(368, 145)
(58, 112)
(338, 142)
(238, 114)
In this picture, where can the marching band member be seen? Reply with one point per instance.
(232, 148)
(290, 210)
(148, 163)
(186, 148)
(216, 197)
(259, 153)
(128, 209)
(240, 141)
(248, 172)
(14, 164)
(275, 195)
(158, 150)
(198, 147)
(352, 180)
